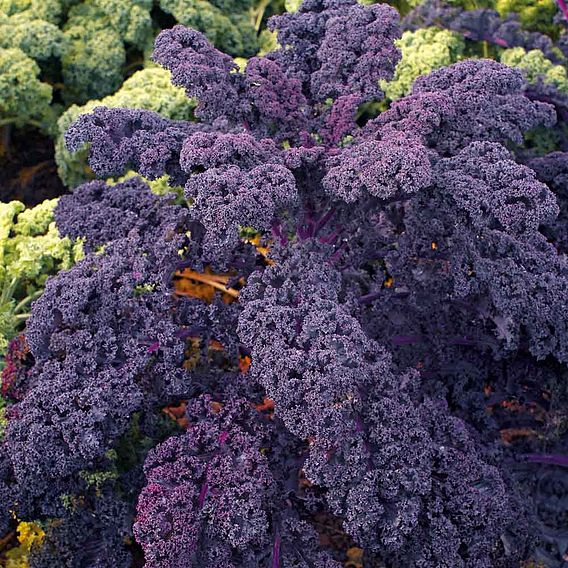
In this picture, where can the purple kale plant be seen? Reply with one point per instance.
(398, 286)
(481, 25)
(484, 27)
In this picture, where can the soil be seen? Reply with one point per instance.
(28, 171)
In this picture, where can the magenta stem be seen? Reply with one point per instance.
(276, 553)
(552, 459)
(202, 494)
(563, 8)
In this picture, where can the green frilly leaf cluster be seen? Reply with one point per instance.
(31, 250)
(24, 99)
(96, 34)
(82, 50)
(535, 65)
(422, 51)
(226, 23)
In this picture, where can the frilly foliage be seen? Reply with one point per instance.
(82, 50)
(422, 51)
(31, 250)
(536, 66)
(149, 89)
(29, 535)
(335, 322)
(25, 98)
